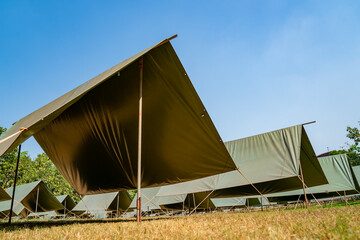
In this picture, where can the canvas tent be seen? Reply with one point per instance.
(96, 128)
(67, 202)
(31, 197)
(100, 205)
(3, 195)
(339, 175)
(152, 202)
(356, 171)
(229, 202)
(272, 162)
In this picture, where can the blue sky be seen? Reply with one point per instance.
(257, 65)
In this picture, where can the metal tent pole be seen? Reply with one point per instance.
(13, 193)
(138, 202)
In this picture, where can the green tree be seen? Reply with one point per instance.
(353, 151)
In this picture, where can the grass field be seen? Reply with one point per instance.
(319, 223)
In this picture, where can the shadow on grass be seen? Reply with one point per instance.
(31, 224)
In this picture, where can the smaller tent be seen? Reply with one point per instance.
(68, 205)
(339, 175)
(101, 205)
(33, 197)
(67, 202)
(3, 195)
(229, 202)
(151, 202)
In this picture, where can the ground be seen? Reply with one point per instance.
(341, 222)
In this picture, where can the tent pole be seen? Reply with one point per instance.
(13, 193)
(303, 182)
(261, 204)
(37, 199)
(138, 202)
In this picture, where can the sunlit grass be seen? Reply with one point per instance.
(320, 223)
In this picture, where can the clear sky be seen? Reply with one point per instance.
(257, 65)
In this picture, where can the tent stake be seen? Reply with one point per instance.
(303, 182)
(138, 202)
(13, 193)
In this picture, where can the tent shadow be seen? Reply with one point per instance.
(32, 224)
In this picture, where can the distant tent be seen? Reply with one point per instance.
(271, 161)
(189, 201)
(32, 197)
(339, 175)
(3, 195)
(152, 203)
(356, 171)
(100, 205)
(67, 202)
(68, 205)
(229, 202)
(240, 202)
(96, 128)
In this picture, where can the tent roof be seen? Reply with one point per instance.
(26, 194)
(3, 195)
(103, 202)
(99, 120)
(270, 161)
(338, 173)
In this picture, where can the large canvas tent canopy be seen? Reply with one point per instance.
(339, 175)
(91, 132)
(272, 162)
(3, 195)
(33, 197)
(99, 205)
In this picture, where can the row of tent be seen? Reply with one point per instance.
(268, 161)
(141, 125)
(32, 199)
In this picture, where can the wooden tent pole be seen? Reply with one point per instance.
(303, 182)
(13, 193)
(138, 202)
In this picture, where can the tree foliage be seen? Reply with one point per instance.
(40, 168)
(353, 151)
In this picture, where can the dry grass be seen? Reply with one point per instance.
(321, 223)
